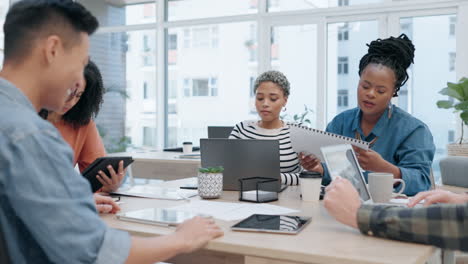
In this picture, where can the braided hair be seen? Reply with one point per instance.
(394, 53)
(90, 101)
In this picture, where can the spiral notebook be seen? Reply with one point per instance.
(309, 140)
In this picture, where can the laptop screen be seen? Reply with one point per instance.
(341, 161)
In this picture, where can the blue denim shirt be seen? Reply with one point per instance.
(402, 140)
(47, 212)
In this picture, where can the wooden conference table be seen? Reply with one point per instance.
(323, 241)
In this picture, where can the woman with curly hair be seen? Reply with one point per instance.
(272, 90)
(400, 143)
(75, 123)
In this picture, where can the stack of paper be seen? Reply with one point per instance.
(232, 211)
(157, 192)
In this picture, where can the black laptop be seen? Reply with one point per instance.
(242, 158)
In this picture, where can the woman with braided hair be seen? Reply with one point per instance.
(400, 143)
(76, 125)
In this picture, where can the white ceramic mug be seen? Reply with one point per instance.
(381, 186)
(210, 185)
(310, 183)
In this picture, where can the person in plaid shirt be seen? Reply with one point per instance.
(441, 222)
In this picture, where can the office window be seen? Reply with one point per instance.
(131, 90)
(200, 37)
(289, 5)
(214, 86)
(200, 87)
(342, 98)
(452, 26)
(214, 37)
(187, 37)
(342, 65)
(192, 9)
(253, 4)
(343, 2)
(211, 79)
(172, 108)
(343, 32)
(172, 89)
(145, 90)
(187, 88)
(451, 136)
(121, 14)
(452, 58)
(149, 136)
(251, 43)
(252, 83)
(172, 39)
(297, 59)
(423, 85)
(146, 46)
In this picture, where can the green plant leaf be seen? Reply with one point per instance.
(456, 91)
(445, 104)
(462, 106)
(464, 85)
(464, 117)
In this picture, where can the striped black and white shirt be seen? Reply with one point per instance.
(289, 162)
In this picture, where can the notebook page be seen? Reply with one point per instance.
(309, 140)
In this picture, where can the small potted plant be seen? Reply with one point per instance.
(210, 182)
(458, 94)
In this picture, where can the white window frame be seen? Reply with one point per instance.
(386, 13)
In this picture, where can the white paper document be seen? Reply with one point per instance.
(309, 140)
(232, 211)
(157, 192)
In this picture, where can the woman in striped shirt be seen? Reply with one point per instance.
(271, 95)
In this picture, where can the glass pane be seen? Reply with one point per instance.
(289, 5)
(127, 63)
(208, 86)
(294, 52)
(120, 13)
(346, 46)
(420, 94)
(190, 9)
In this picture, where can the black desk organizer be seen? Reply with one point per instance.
(258, 189)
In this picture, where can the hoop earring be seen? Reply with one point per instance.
(390, 109)
(284, 109)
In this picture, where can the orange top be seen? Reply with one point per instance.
(85, 141)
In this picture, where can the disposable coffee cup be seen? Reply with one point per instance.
(187, 147)
(310, 182)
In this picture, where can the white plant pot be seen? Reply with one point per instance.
(456, 149)
(210, 185)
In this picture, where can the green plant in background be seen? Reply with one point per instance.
(302, 118)
(459, 94)
(218, 169)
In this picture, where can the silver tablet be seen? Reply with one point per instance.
(156, 216)
(284, 224)
(341, 161)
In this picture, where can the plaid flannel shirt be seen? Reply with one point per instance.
(442, 225)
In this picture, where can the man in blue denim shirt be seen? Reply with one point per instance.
(47, 214)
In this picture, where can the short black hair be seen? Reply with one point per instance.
(394, 53)
(29, 20)
(90, 101)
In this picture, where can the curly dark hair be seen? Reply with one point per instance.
(90, 101)
(394, 53)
